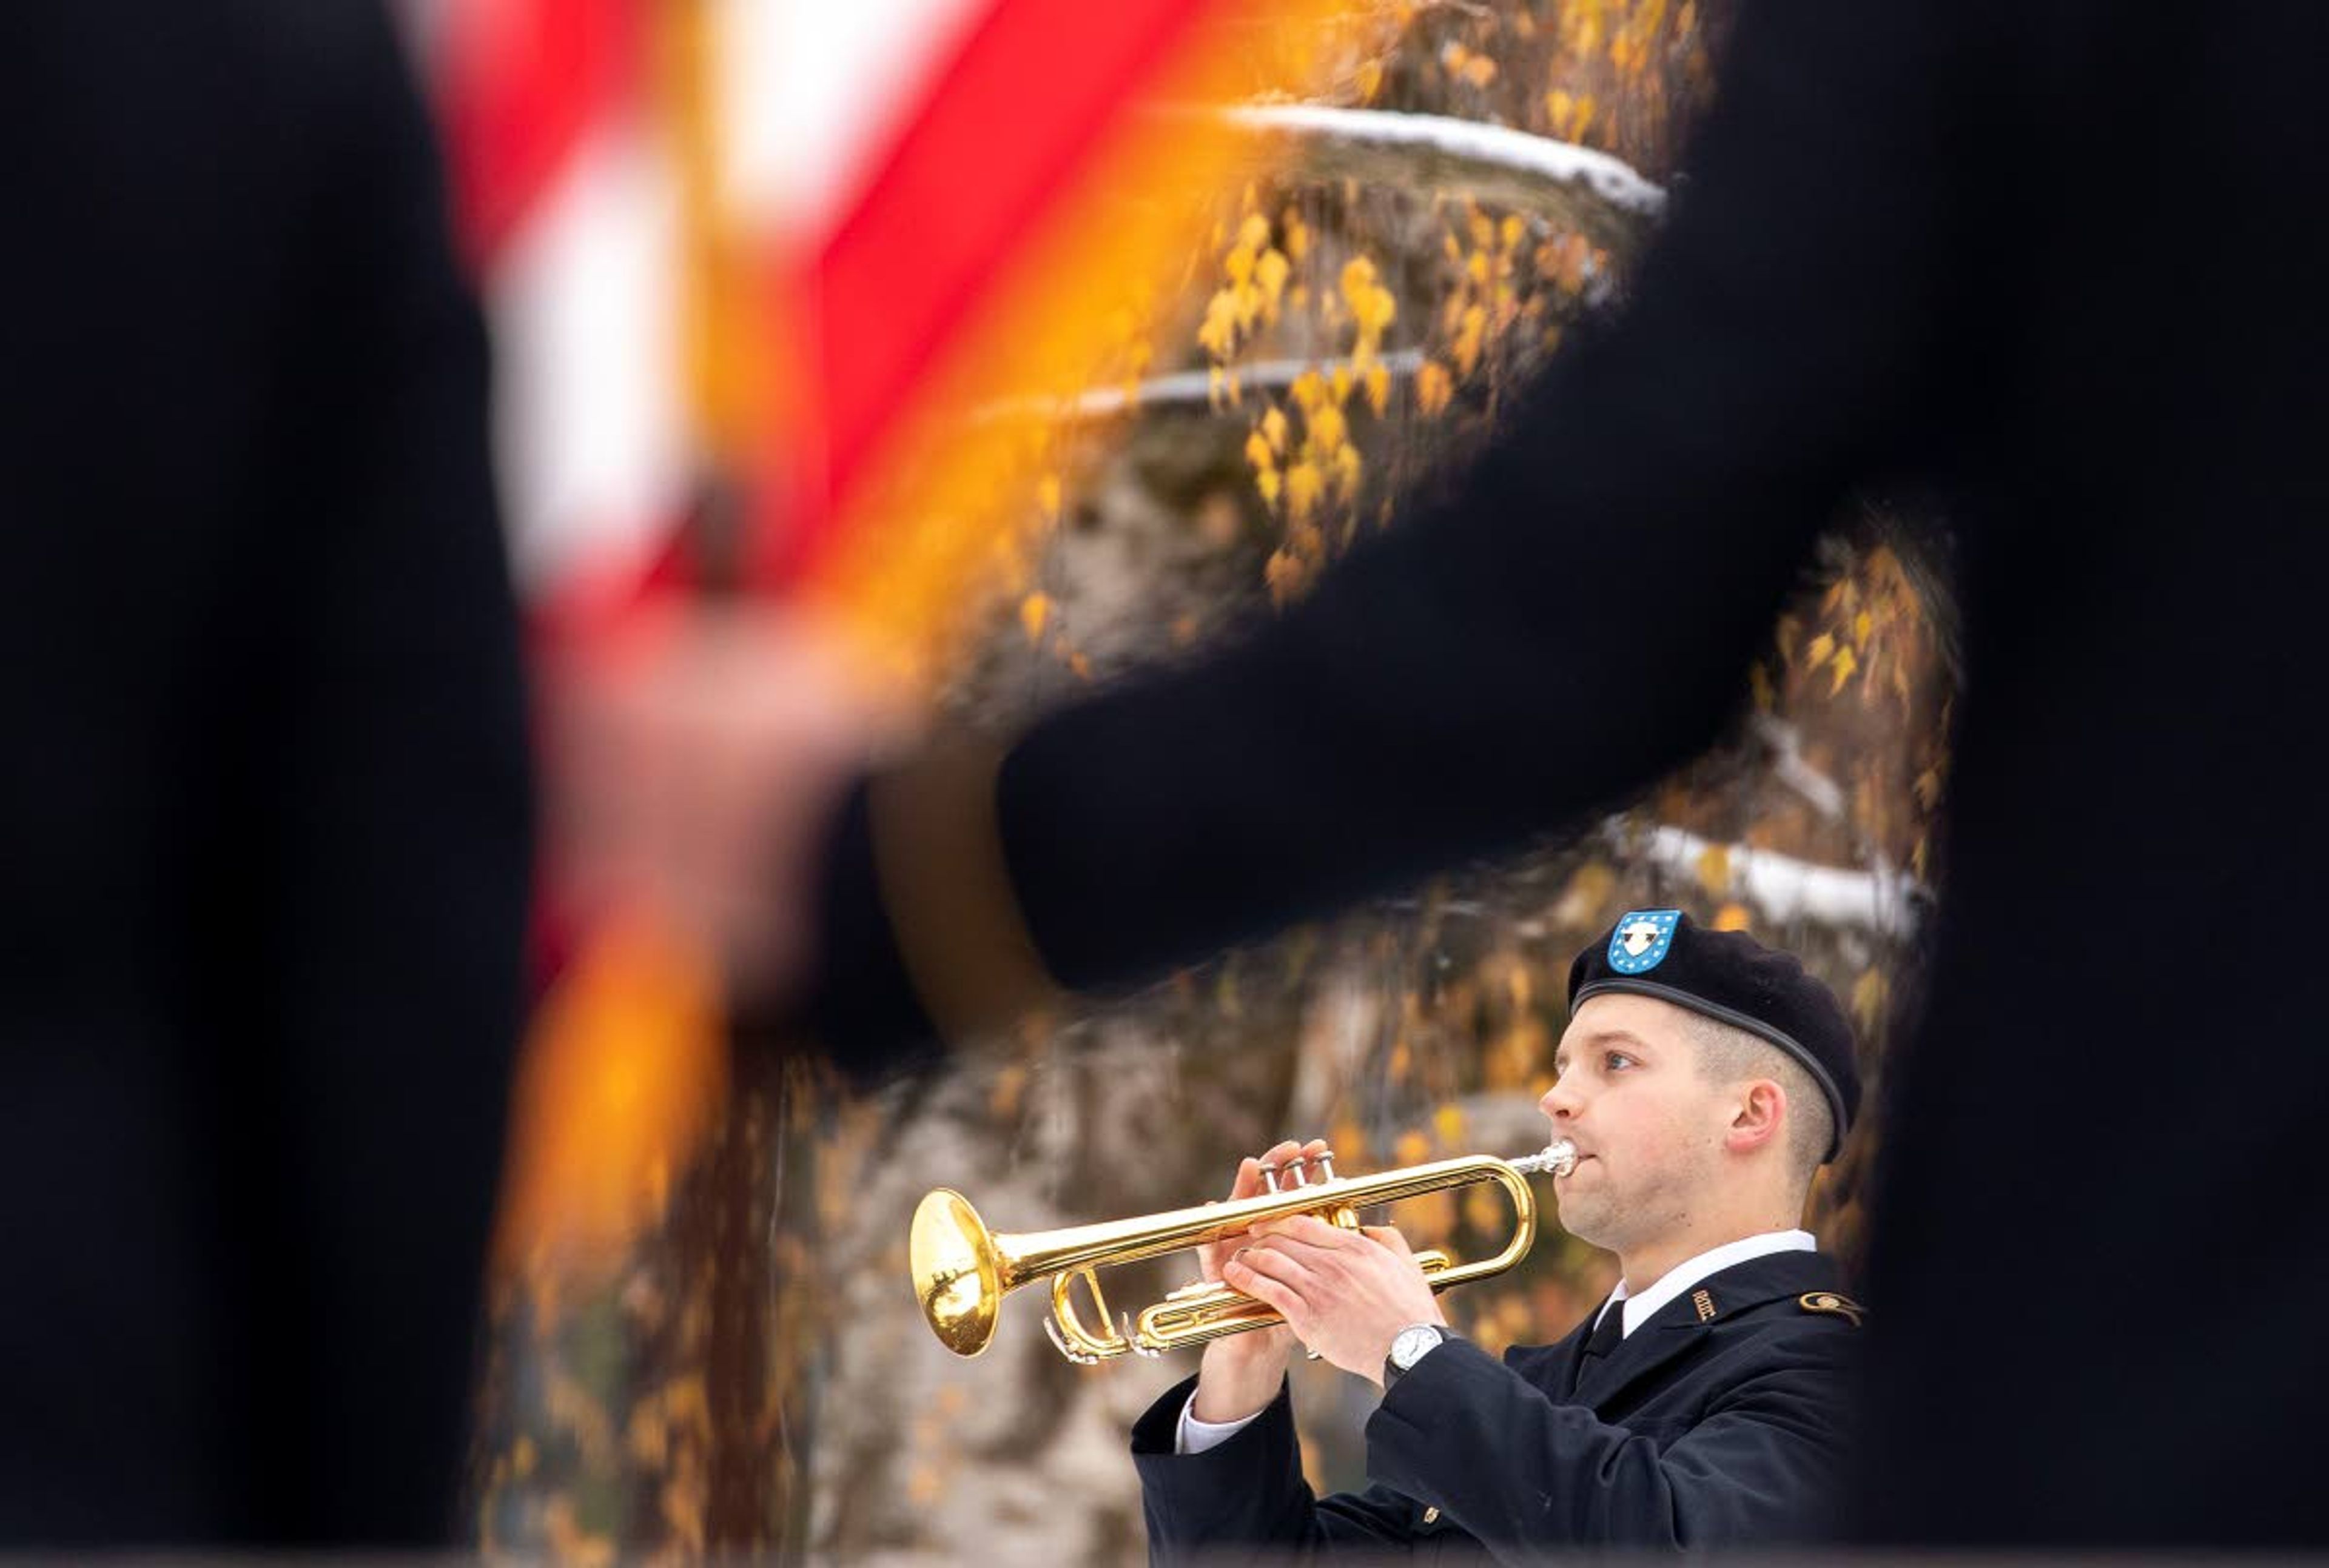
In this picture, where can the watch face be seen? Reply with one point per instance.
(1412, 1343)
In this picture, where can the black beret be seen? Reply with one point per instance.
(1730, 976)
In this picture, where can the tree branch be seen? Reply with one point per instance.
(1601, 197)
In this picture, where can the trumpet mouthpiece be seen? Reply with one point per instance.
(1559, 1158)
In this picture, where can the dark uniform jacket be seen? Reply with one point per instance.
(2046, 261)
(264, 809)
(1721, 1421)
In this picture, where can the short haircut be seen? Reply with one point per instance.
(1727, 1053)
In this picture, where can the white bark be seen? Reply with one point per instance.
(1879, 900)
(1823, 794)
(1189, 387)
(1604, 197)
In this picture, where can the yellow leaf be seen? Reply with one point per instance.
(1341, 390)
(1285, 575)
(1714, 868)
(1447, 1122)
(1484, 1210)
(1271, 272)
(1347, 473)
(1329, 429)
(1860, 627)
(1034, 610)
(1218, 332)
(1868, 994)
(1254, 233)
(1823, 647)
(1273, 429)
(1732, 917)
(1844, 665)
(1358, 278)
(1007, 1092)
(1378, 387)
(1433, 387)
(1304, 486)
(1257, 452)
(1268, 483)
(1469, 338)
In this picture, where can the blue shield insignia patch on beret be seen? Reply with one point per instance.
(1640, 942)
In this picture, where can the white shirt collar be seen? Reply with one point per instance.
(1640, 1309)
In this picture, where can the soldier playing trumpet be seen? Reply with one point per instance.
(1703, 1078)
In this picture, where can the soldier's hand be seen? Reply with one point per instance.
(1346, 1293)
(692, 760)
(1240, 1373)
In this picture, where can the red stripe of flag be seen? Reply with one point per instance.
(520, 82)
(991, 152)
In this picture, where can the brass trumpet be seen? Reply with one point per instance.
(962, 1269)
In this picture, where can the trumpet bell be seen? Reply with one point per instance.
(952, 1253)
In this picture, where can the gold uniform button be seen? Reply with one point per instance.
(1431, 1515)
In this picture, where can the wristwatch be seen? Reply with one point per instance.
(1410, 1345)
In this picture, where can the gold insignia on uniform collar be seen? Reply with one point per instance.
(1844, 1307)
(1705, 1305)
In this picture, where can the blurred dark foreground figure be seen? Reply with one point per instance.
(2050, 260)
(264, 812)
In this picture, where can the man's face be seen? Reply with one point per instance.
(1648, 1127)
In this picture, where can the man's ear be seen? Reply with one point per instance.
(1762, 1112)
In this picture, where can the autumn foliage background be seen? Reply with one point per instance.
(752, 1372)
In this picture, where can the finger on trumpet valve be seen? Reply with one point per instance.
(1325, 1164)
(1269, 1176)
